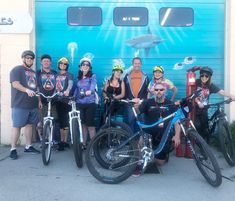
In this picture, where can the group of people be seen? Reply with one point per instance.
(147, 94)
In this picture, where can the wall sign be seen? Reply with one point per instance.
(15, 22)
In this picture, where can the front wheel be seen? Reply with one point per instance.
(204, 158)
(77, 146)
(117, 157)
(47, 142)
(226, 142)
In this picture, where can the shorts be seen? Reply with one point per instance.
(87, 114)
(22, 117)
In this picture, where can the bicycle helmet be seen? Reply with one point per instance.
(85, 59)
(45, 56)
(158, 68)
(206, 70)
(63, 60)
(28, 53)
(118, 67)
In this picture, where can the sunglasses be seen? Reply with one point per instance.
(204, 75)
(63, 63)
(29, 58)
(159, 89)
(85, 64)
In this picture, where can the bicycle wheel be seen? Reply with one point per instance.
(204, 158)
(118, 124)
(226, 142)
(77, 146)
(119, 162)
(47, 142)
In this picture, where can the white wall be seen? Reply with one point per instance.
(11, 47)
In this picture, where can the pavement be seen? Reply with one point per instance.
(27, 179)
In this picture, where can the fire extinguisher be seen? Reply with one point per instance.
(190, 87)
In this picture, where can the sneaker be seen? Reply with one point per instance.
(137, 171)
(84, 147)
(60, 146)
(13, 154)
(31, 149)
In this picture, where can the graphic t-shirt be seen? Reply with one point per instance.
(27, 78)
(46, 83)
(205, 94)
(62, 81)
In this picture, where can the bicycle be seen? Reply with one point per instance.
(76, 132)
(121, 153)
(48, 129)
(219, 129)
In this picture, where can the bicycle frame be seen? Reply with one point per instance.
(75, 114)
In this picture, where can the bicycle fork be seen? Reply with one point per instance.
(75, 115)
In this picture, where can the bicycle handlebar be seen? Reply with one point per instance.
(47, 97)
(227, 101)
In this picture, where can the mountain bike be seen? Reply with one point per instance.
(219, 129)
(48, 130)
(121, 152)
(76, 132)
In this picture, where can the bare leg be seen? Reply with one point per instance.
(28, 134)
(15, 136)
(92, 131)
(84, 132)
(64, 134)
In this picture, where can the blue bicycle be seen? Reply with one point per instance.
(112, 154)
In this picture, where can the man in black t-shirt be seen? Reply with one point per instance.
(24, 103)
(207, 87)
(150, 108)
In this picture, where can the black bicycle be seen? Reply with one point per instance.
(120, 152)
(219, 129)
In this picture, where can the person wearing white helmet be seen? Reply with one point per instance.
(24, 103)
(86, 98)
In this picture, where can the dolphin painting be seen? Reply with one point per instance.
(145, 42)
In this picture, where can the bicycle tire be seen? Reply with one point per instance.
(202, 154)
(47, 142)
(77, 146)
(226, 142)
(118, 124)
(114, 173)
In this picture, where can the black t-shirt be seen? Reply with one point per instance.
(114, 91)
(27, 78)
(46, 83)
(151, 111)
(205, 94)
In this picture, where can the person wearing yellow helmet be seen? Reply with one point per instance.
(158, 77)
(64, 84)
(115, 87)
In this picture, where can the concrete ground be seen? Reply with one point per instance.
(27, 179)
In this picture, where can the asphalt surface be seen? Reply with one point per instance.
(27, 179)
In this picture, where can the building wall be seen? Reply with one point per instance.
(11, 46)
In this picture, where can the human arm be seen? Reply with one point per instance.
(92, 85)
(70, 86)
(226, 94)
(175, 90)
(176, 137)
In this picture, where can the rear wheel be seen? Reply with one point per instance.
(204, 158)
(226, 142)
(114, 163)
(47, 142)
(77, 146)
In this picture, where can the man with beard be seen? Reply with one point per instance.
(24, 103)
